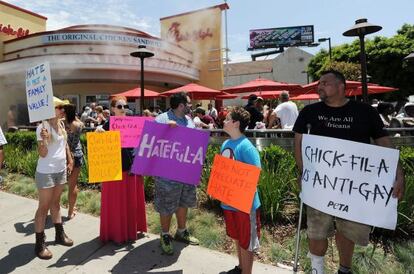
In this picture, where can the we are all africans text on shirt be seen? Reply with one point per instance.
(336, 122)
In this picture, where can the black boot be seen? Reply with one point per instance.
(61, 237)
(41, 250)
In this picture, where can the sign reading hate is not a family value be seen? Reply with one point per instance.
(233, 183)
(104, 156)
(39, 93)
(173, 153)
(350, 180)
(130, 128)
(3, 140)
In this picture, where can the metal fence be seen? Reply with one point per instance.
(284, 138)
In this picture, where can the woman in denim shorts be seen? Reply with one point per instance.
(74, 128)
(54, 161)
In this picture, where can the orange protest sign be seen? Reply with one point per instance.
(104, 156)
(233, 182)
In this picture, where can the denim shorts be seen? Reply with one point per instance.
(170, 195)
(50, 180)
(321, 226)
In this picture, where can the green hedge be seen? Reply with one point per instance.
(277, 187)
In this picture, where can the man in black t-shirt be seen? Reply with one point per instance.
(252, 108)
(338, 117)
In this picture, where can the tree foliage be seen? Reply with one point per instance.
(385, 62)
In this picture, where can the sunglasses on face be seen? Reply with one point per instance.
(59, 107)
(121, 106)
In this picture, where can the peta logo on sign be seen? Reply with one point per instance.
(338, 206)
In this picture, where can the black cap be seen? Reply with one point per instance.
(252, 97)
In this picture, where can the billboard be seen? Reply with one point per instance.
(281, 37)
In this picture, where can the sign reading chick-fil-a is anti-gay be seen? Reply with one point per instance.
(173, 153)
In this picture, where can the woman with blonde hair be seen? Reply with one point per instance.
(74, 128)
(122, 202)
(54, 163)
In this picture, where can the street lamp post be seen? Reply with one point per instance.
(360, 29)
(330, 49)
(307, 75)
(142, 53)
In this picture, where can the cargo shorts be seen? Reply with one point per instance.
(321, 226)
(170, 195)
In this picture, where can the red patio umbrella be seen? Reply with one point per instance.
(371, 90)
(195, 91)
(268, 94)
(261, 84)
(313, 87)
(308, 96)
(225, 95)
(136, 93)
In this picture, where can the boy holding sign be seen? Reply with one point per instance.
(242, 227)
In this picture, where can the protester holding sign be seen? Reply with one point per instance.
(338, 117)
(54, 163)
(122, 202)
(244, 228)
(74, 129)
(2, 142)
(172, 196)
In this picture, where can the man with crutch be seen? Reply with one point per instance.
(338, 117)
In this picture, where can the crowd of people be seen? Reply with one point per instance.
(123, 214)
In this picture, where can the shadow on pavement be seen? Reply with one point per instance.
(148, 257)
(79, 254)
(18, 256)
(28, 227)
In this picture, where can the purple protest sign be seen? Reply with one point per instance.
(173, 153)
(130, 128)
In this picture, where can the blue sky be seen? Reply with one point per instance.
(330, 18)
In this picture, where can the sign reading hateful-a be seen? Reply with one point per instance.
(39, 93)
(174, 153)
(350, 180)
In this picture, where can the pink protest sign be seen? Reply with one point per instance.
(130, 128)
(173, 153)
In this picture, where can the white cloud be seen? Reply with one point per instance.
(66, 13)
(237, 57)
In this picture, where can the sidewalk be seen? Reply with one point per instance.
(88, 255)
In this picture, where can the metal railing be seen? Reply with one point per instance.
(281, 137)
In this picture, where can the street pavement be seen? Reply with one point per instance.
(89, 255)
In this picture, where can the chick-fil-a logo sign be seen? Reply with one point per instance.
(8, 30)
(174, 31)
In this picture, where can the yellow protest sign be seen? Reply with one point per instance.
(104, 156)
(233, 182)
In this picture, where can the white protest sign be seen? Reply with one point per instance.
(350, 180)
(3, 140)
(39, 93)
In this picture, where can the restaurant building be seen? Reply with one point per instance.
(90, 62)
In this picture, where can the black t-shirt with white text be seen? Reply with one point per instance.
(355, 121)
